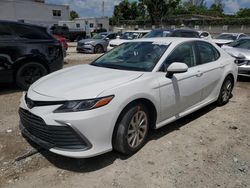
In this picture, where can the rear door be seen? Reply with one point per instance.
(211, 67)
(184, 90)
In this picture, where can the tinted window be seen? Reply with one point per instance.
(226, 37)
(241, 43)
(184, 53)
(242, 35)
(5, 31)
(204, 34)
(157, 33)
(187, 34)
(207, 53)
(112, 36)
(29, 32)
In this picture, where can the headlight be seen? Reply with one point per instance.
(83, 105)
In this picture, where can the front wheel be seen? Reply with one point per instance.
(28, 73)
(225, 92)
(132, 130)
(98, 49)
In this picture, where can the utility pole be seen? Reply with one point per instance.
(102, 8)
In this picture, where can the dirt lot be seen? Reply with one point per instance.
(209, 148)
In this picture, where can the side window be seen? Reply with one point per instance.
(5, 31)
(29, 32)
(184, 53)
(111, 36)
(206, 52)
(242, 35)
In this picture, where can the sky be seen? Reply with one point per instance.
(93, 8)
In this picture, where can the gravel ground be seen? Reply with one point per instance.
(209, 148)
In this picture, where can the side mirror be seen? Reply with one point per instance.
(106, 38)
(175, 68)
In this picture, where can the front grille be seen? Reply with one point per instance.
(54, 136)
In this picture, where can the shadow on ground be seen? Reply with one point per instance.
(101, 161)
(243, 78)
(8, 89)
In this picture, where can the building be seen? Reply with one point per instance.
(87, 23)
(33, 11)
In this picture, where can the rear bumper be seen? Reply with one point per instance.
(244, 70)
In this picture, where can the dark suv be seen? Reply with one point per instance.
(186, 33)
(27, 52)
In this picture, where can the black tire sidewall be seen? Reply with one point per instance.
(121, 143)
(220, 101)
(19, 71)
(96, 48)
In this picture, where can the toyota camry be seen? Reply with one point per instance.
(114, 102)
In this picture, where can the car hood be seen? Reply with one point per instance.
(82, 82)
(238, 52)
(118, 41)
(89, 41)
(222, 41)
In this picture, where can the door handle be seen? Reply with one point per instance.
(199, 74)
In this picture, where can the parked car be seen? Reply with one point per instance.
(240, 49)
(205, 35)
(97, 44)
(187, 33)
(27, 52)
(70, 34)
(63, 43)
(226, 38)
(113, 102)
(126, 36)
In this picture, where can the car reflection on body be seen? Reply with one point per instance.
(114, 102)
(240, 49)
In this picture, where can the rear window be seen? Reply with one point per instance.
(207, 52)
(30, 32)
(186, 34)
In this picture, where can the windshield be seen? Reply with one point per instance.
(130, 35)
(99, 36)
(135, 56)
(241, 43)
(226, 37)
(157, 33)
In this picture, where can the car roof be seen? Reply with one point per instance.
(138, 31)
(176, 29)
(234, 34)
(168, 39)
(106, 33)
(21, 23)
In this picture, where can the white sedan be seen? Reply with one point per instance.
(144, 84)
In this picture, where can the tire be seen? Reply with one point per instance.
(98, 49)
(225, 92)
(127, 135)
(28, 73)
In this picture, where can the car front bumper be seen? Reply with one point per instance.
(244, 70)
(93, 128)
(85, 48)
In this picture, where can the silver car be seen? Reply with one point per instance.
(97, 44)
(240, 49)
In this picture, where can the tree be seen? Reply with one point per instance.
(73, 15)
(159, 9)
(244, 13)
